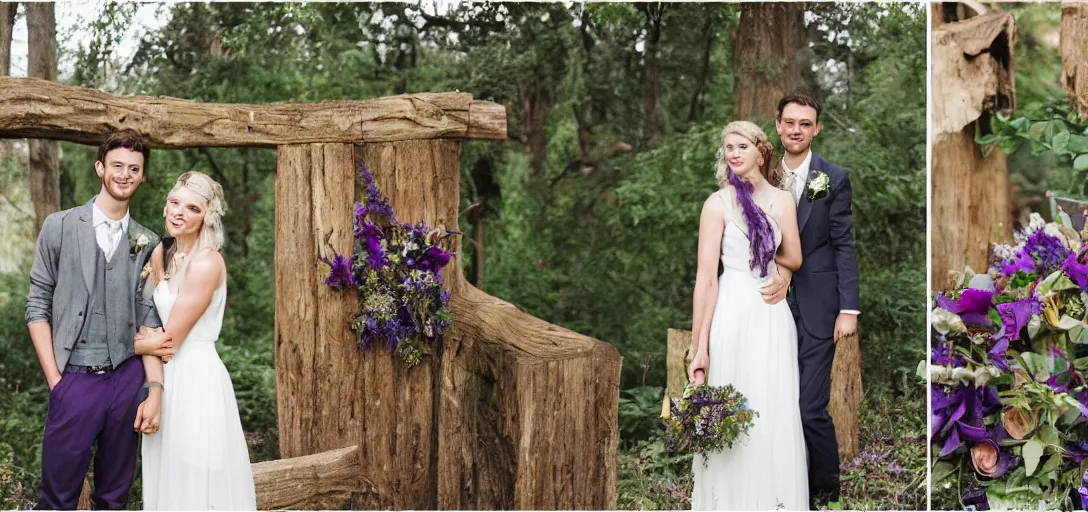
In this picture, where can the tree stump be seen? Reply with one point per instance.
(972, 76)
(1074, 48)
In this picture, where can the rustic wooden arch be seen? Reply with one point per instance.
(513, 413)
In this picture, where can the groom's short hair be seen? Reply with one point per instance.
(799, 98)
(128, 139)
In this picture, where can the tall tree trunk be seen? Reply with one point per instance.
(765, 58)
(7, 25)
(696, 108)
(44, 154)
(534, 113)
(1074, 48)
(652, 78)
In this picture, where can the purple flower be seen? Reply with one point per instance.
(1015, 315)
(1078, 451)
(943, 355)
(376, 203)
(973, 306)
(957, 415)
(341, 275)
(1041, 252)
(1077, 271)
(997, 353)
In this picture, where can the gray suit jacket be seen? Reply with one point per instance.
(62, 277)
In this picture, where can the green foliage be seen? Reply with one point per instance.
(1056, 132)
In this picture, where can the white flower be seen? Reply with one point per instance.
(1035, 221)
(142, 240)
(1004, 251)
(945, 321)
(818, 185)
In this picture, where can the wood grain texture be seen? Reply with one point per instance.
(846, 393)
(1074, 48)
(973, 71)
(971, 199)
(35, 108)
(296, 301)
(522, 392)
(321, 481)
(973, 74)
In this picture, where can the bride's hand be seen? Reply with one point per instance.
(154, 343)
(149, 414)
(698, 368)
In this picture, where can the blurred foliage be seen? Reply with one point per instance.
(590, 209)
(1039, 98)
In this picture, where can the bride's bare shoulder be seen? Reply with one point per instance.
(207, 266)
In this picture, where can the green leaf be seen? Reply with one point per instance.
(1037, 130)
(1077, 144)
(941, 470)
(1049, 435)
(1056, 282)
(1049, 470)
(1080, 163)
(1060, 141)
(1033, 451)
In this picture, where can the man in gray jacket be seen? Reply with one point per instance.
(82, 311)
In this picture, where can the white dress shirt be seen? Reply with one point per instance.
(108, 232)
(800, 176)
(800, 179)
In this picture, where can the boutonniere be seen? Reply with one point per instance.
(137, 244)
(818, 185)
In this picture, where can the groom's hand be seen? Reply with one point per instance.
(845, 325)
(775, 290)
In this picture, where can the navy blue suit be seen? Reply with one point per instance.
(826, 284)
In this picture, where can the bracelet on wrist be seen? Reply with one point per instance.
(149, 385)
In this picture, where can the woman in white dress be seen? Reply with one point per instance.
(750, 224)
(198, 460)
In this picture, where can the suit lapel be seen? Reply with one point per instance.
(804, 206)
(87, 245)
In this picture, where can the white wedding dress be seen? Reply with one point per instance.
(199, 459)
(753, 346)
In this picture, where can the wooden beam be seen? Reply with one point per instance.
(34, 108)
(322, 481)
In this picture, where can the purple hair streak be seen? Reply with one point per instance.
(760, 233)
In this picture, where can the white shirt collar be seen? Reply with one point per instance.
(801, 170)
(97, 217)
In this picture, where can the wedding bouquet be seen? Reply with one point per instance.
(396, 267)
(706, 419)
(1009, 396)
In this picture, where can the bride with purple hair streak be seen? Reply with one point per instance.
(750, 226)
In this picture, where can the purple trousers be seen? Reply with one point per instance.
(83, 409)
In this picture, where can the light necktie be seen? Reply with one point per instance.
(114, 227)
